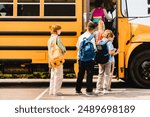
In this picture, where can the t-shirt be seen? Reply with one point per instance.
(110, 48)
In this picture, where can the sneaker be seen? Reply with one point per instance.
(58, 94)
(105, 91)
(99, 91)
(79, 93)
(90, 94)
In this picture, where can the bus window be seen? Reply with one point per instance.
(6, 7)
(124, 8)
(59, 8)
(130, 9)
(28, 8)
(137, 10)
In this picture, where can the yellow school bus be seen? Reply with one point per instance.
(24, 32)
(134, 41)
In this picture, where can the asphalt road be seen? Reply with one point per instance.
(39, 91)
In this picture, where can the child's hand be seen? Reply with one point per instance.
(117, 51)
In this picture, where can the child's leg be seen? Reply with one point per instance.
(107, 75)
(111, 74)
(112, 68)
(58, 79)
(51, 83)
(99, 83)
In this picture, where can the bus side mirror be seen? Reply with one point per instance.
(149, 7)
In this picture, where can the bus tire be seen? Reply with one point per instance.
(140, 69)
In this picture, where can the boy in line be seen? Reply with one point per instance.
(86, 65)
(104, 69)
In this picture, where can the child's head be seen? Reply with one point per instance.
(101, 26)
(99, 3)
(55, 29)
(109, 35)
(91, 27)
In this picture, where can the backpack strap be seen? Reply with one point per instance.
(55, 41)
(90, 37)
(107, 41)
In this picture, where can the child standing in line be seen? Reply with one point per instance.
(86, 64)
(56, 72)
(104, 69)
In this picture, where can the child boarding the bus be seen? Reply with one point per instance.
(105, 67)
(100, 31)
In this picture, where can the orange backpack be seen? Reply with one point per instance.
(56, 57)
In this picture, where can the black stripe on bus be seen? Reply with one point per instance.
(148, 1)
(68, 61)
(13, 61)
(40, 19)
(148, 10)
(36, 33)
(31, 48)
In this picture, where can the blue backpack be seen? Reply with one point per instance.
(86, 49)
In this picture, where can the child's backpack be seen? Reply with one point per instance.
(86, 49)
(98, 14)
(56, 57)
(102, 55)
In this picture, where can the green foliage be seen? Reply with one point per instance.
(37, 75)
(34, 75)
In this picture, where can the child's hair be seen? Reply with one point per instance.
(101, 25)
(99, 3)
(108, 34)
(54, 28)
(91, 26)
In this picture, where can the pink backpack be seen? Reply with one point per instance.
(98, 12)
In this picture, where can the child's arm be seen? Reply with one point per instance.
(114, 52)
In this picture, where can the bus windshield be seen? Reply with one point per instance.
(130, 9)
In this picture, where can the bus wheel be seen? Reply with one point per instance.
(140, 69)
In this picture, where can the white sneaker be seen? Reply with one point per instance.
(99, 90)
(105, 91)
(58, 94)
(79, 93)
(99, 94)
